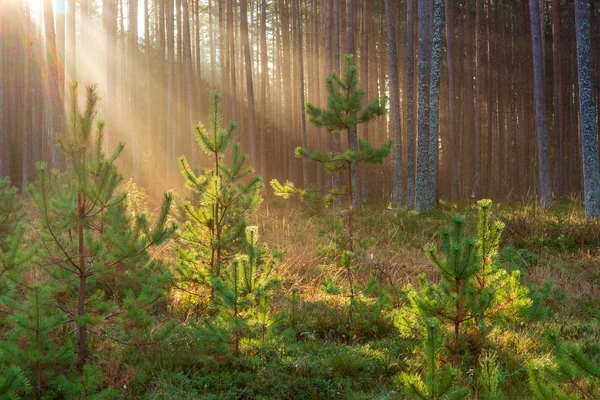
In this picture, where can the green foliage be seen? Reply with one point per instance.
(345, 111)
(33, 339)
(12, 380)
(572, 374)
(12, 234)
(11, 212)
(214, 234)
(490, 378)
(473, 289)
(96, 257)
(435, 382)
(345, 102)
(243, 296)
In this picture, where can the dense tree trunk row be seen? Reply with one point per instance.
(510, 98)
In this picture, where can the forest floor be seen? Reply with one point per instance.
(556, 250)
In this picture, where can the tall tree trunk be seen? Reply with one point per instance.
(170, 134)
(489, 179)
(110, 20)
(55, 110)
(27, 102)
(132, 50)
(264, 79)
(162, 84)
(213, 53)
(410, 103)
(71, 46)
(545, 185)
(249, 84)
(587, 108)
(454, 184)
(434, 102)
(301, 78)
(232, 58)
(149, 126)
(557, 83)
(189, 78)
(470, 108)
(395, 103)
(60, 48)
(4, 162)
(478, 96)
(287, 86)
(223, 52)
(424, 66)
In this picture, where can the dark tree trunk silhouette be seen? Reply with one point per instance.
(541, 125)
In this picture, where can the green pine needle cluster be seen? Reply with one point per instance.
(571, 374)
(220, 260)
(216, 219)
(345, 111)
(435, 382)
(474, 291)
(91, 281)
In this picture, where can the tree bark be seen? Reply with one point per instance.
(434, 103)
(454, 184)
(189, 77)
(558, 90)
(132, 50)
(170, 134)
(4, 162)
(424, 66)
(55, 110)
(478, 96)
(264, 87)
(397, 192)
(545, 185)
(301, 78)
(249, 84)
(587, 107)
(410, 104)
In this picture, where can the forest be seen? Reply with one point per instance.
(299, 199)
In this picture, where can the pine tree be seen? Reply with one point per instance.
(473, 290)
(490, 376)
(214, 232)
(95, 254)
(243, 294)
(435, 383)
(32, 339)
(345, 111)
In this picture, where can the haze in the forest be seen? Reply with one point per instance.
(299, 199)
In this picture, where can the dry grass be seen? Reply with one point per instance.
(396, 256)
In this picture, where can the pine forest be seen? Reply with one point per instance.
(300, 199)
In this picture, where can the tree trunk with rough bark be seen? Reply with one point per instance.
(587, 108)
(424, 73)
(397, 192)
(543, 151)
